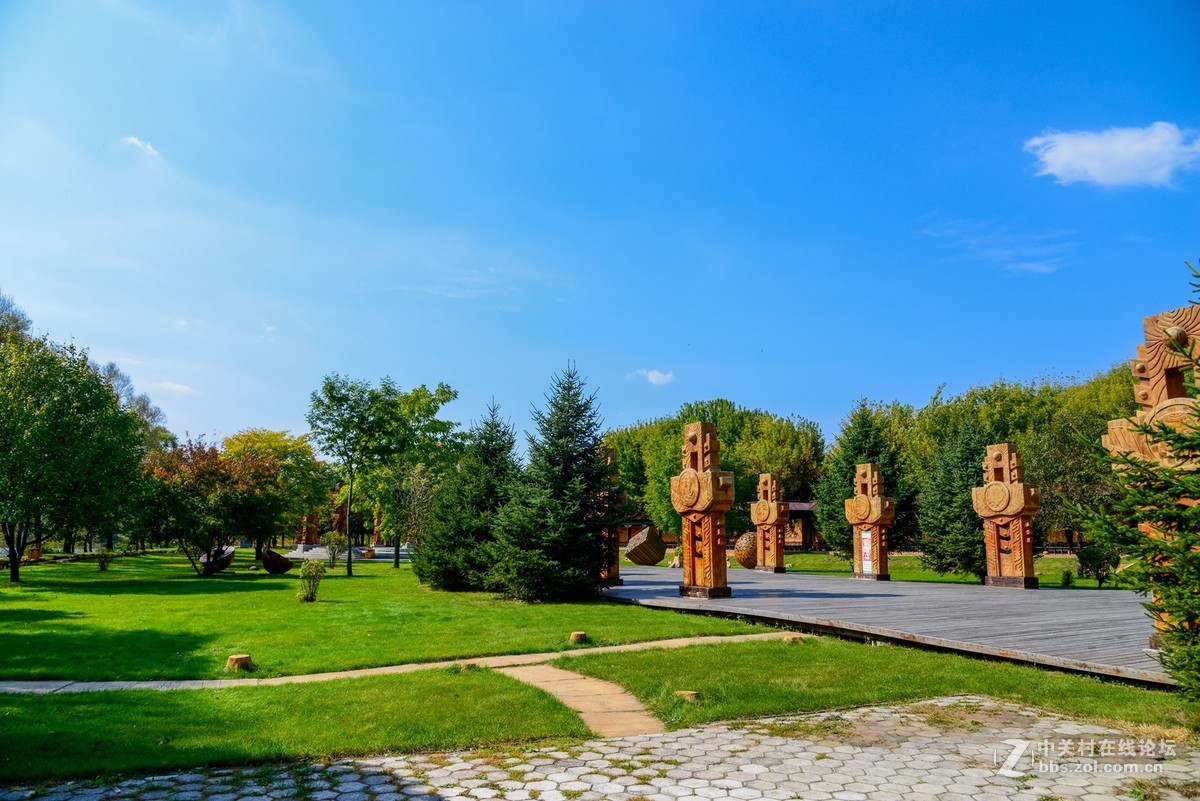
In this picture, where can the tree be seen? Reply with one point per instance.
(68, 453)
(155, 435)
(454, 553)
(304, 481)
(550, 536)
(206, 500)
(864, 438)
(1098, 561)
(951, 532)
(14, 324)
(364, 426)
(791, 447)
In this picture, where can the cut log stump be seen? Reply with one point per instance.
(238, 662)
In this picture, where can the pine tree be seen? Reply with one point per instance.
(951, 532)
(550, 542)
(455, 553)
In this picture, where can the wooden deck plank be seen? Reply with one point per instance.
(1091, 631)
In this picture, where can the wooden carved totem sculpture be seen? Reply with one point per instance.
(1007, 506)
(1161, 397)
(702, 495)
(308, 529)
(770, 517)
(871, 515)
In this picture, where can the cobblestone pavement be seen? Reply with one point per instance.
(952, 749)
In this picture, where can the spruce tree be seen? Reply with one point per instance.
(550, 541)
(951, 532)
(455, 553)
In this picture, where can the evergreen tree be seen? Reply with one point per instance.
(951, 531)
(454, 553)
(550, 542)
(862, 439)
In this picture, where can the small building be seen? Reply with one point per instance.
(801, 533)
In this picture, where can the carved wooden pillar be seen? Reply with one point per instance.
(378, 522)
(1007, 506)
(702, 495)
(871, 516)
(770, 517)
(1161, 396)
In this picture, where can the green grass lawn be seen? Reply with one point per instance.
(766, 678)
(151, 617)
(50, 737)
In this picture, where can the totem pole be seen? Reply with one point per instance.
(1007, 506)
(770, 518)
(871, 516)
(702, 495)
(1161, 395)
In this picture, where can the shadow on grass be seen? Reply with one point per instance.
(79, 653)
(181, 585)
(21, 616)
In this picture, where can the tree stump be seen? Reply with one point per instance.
(239, 662)
(691, 696)
(578, 637)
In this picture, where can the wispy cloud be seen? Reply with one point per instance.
(655, 377)
(145, 147)
(172, 386)
(1147, 156)
(991, 243)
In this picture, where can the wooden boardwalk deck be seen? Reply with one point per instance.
(1098, 632)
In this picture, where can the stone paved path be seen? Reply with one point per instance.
(952, 749)
(44, 687)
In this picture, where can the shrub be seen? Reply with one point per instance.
(335, 543)
(1098, 561)
(104, 559)
(1068, 578)
(310, 578)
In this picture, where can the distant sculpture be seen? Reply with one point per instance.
(745, 550)
(770, 517)
(702, 495)
(1162, 397)
(276, 563)
(871, 516)
(646, 547)
(308, 530)
(1007, 506)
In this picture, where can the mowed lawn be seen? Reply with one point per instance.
(776, 677)
(46, 737)
(151, 617)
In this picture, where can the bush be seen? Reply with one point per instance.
(104, 559)
(1068, 578)
(1098, 561)
(310, 579)
(336, 543)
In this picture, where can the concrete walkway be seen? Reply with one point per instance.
(605, 707)
(513, 660)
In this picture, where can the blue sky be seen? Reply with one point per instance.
(792, 205)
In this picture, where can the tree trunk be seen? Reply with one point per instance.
(349, 540)
(258, 549)
(108, 543)
(12, 538)
(396, 551)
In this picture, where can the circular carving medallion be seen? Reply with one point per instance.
(689, 487)
(862, 506)
(996, 496)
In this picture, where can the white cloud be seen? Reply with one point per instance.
(655, 377)
(990, 242)
(145, 147)
(172, 386)
(1147, 156)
